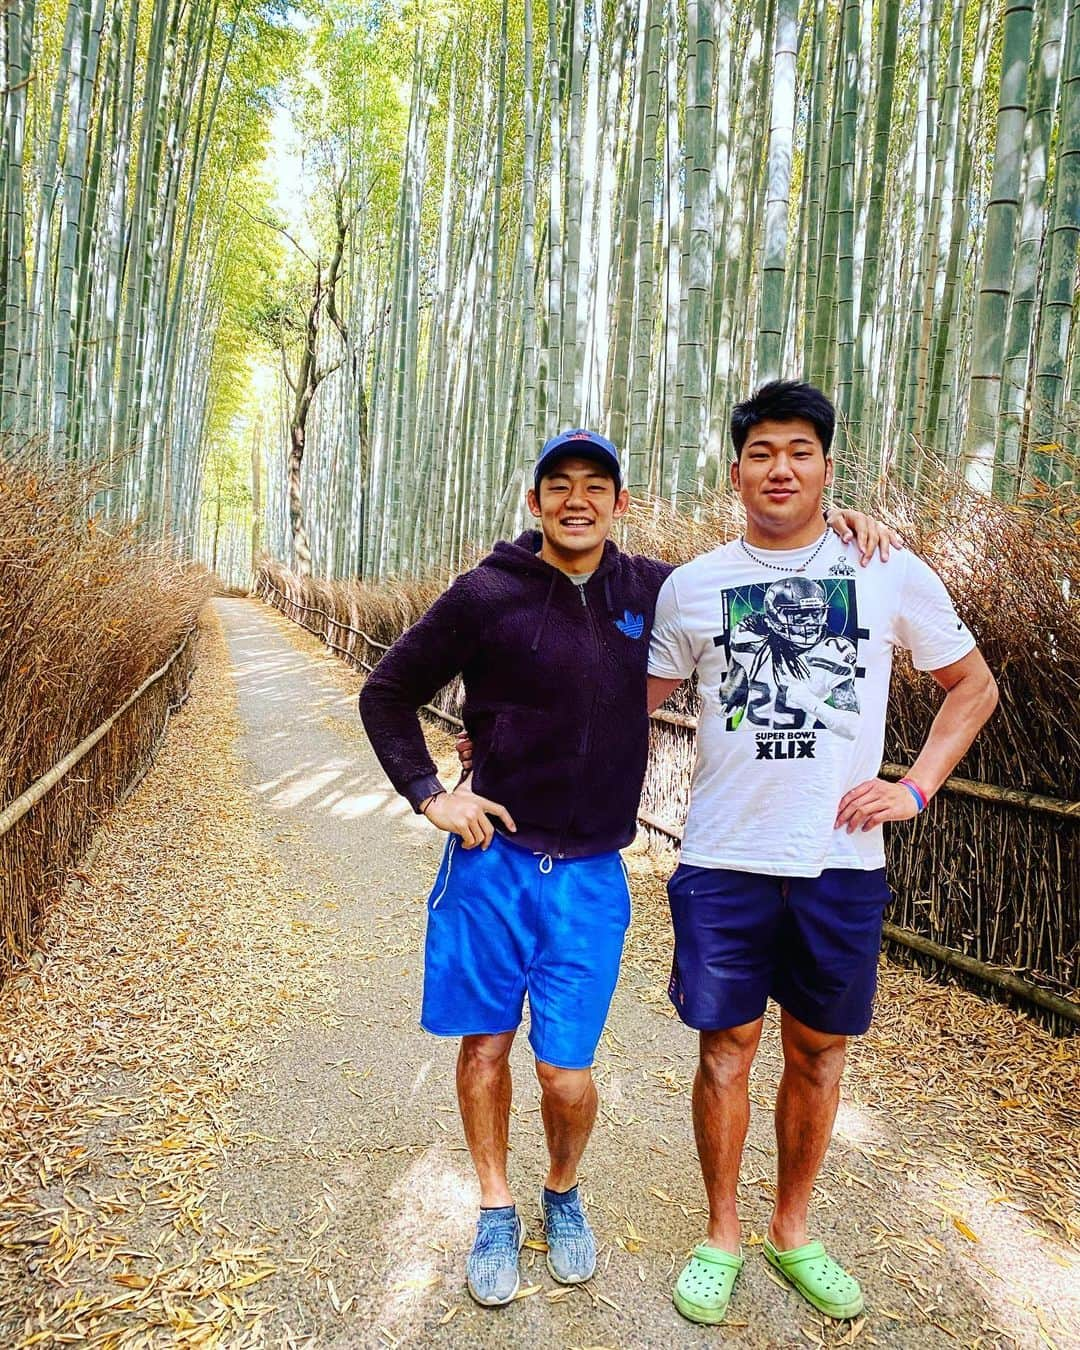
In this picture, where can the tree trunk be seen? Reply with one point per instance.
(1060, 278)
(778, 186)
(256, 499)
(301, 547)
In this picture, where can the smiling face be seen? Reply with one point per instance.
(575, 506)
(781, 476)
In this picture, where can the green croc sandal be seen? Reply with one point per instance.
(703, 1290)
(821, 1281)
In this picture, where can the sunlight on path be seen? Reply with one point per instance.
(165, 980)
(221, 1125)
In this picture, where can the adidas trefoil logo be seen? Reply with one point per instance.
(633, 625)
(841, 568)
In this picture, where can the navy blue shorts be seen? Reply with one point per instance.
(810, 943)
(507, 923)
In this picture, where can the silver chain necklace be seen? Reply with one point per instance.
(784, 567)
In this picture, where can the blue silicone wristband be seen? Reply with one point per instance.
(920, 805)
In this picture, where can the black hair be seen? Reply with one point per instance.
(783, 401)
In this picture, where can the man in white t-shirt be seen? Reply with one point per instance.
(781, 889)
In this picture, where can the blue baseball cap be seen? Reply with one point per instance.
(579, 444)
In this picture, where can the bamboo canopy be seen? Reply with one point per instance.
(338, 331)
(645, 209)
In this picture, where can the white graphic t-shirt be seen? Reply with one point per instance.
(793, 670)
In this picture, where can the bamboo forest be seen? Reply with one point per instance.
(326, 774)
(317, 279)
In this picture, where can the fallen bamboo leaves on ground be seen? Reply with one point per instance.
(166, 978)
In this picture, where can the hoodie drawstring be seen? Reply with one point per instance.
(544, 612)
(607, 593)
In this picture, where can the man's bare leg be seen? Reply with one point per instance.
(806, 1105)
(721, 1117)
(568, 1103)
(484, 1091)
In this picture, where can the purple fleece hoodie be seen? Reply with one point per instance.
(554, 693)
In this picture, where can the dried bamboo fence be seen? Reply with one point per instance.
(49, 825)
(987, 884)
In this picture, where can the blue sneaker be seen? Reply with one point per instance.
(571, 1244)
(492, 1267)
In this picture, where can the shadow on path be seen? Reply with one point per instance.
(368, 1150)
(222, 1126)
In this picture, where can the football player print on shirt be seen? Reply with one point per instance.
(792, 656)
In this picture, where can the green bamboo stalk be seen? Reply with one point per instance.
(673, 263)
(745, 309)
(825, 296)
(494, 326)
(718, 357)
(778, 189)
(622, 345)
(638, 440)
(701, 157)
(555, 296)
(991, 311)
(929, 287)
(18, 24)
(845, 313)
(869, 293)
(739, 227)
(1025, 277)
(1056, 309)
(941, 404)
(86, 47)
(126, 416)
(593, 267)
(570, 361)
(814, 181)
(528, 235)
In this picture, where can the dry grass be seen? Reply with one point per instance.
(123, 1053)
(85, 616)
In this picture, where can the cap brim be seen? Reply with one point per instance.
(579, 450)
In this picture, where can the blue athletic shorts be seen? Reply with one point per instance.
(507, 922)
(811, 943)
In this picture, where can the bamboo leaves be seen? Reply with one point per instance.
(623, 214)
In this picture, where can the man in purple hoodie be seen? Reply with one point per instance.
(551, 636)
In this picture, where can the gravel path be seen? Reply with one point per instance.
(221, 1124)
(365, 1133)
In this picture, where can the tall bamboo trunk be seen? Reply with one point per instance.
(1015, 385)
(991, 312)
(1056, 310)
(644, 317)
(701, 157)
(869, 296)
(778, 188)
